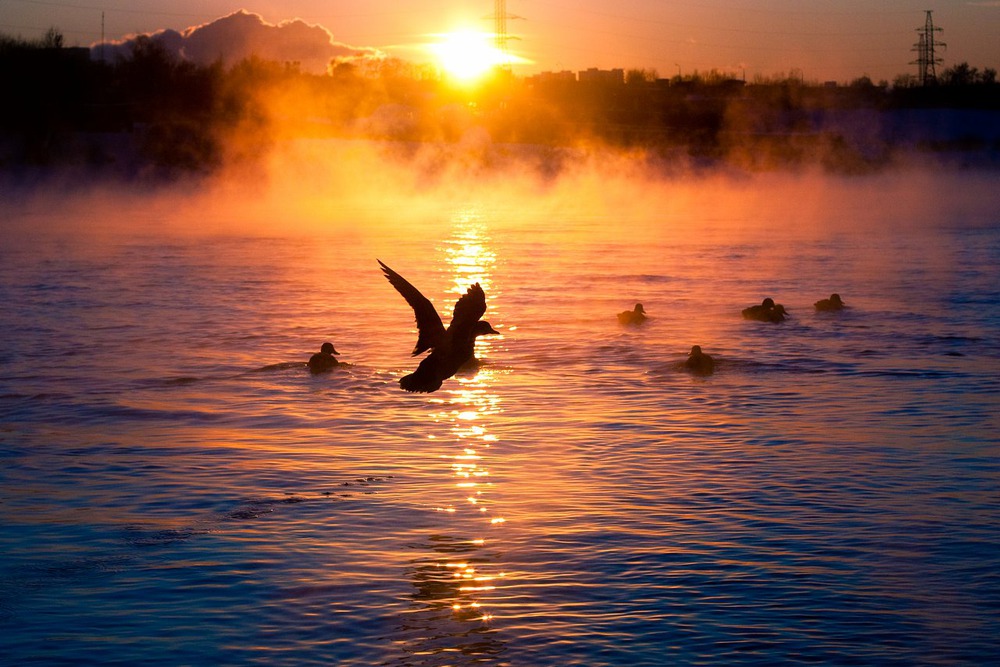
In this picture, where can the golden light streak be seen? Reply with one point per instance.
(467, 412)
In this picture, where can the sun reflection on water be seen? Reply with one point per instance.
(469, 253)
(469, 408)
(462, 572)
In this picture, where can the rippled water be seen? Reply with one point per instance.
(176, 488)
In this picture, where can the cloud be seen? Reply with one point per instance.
(244, 34)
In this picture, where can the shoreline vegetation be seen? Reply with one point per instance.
(150, 116)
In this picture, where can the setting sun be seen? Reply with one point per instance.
(467, 54)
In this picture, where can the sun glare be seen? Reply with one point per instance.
(466, 54)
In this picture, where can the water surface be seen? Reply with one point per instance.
(176, 488)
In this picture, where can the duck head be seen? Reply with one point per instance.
(483, 328)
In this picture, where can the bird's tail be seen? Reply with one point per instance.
(421, 380)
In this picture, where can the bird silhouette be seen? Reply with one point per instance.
(323, 360)
(450, 348)
(698, 362)
(831, 304)
(633, 317)
(767, 311)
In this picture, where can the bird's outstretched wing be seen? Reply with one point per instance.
(469, 308)
(430, 329)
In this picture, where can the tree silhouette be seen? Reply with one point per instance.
(169, 116)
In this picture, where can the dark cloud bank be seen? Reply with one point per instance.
(243, 34)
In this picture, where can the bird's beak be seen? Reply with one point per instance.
(493, 331)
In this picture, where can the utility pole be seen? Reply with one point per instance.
(500, 36)
(500, 31)
(500, 26)
(925, 47)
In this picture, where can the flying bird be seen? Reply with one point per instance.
(450, 348)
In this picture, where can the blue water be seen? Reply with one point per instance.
(176, 488)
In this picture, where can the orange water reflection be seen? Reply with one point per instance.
(461, 573)
(468, 410)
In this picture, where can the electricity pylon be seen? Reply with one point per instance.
(925, 47)
(500, 36)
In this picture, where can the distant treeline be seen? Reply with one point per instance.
(151, 114)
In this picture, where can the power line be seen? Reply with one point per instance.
(646, 19)
(144, 12)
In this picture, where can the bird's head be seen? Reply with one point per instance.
(483, 328)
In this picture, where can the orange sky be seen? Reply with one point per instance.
(821, 40)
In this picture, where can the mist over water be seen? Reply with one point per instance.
(317, 186)
(176, 488)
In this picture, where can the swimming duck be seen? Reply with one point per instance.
(632, 317)
(760, 311)
(831, 304)
(450, 348)
(323, 360)
(698, 362)
(767, 311)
